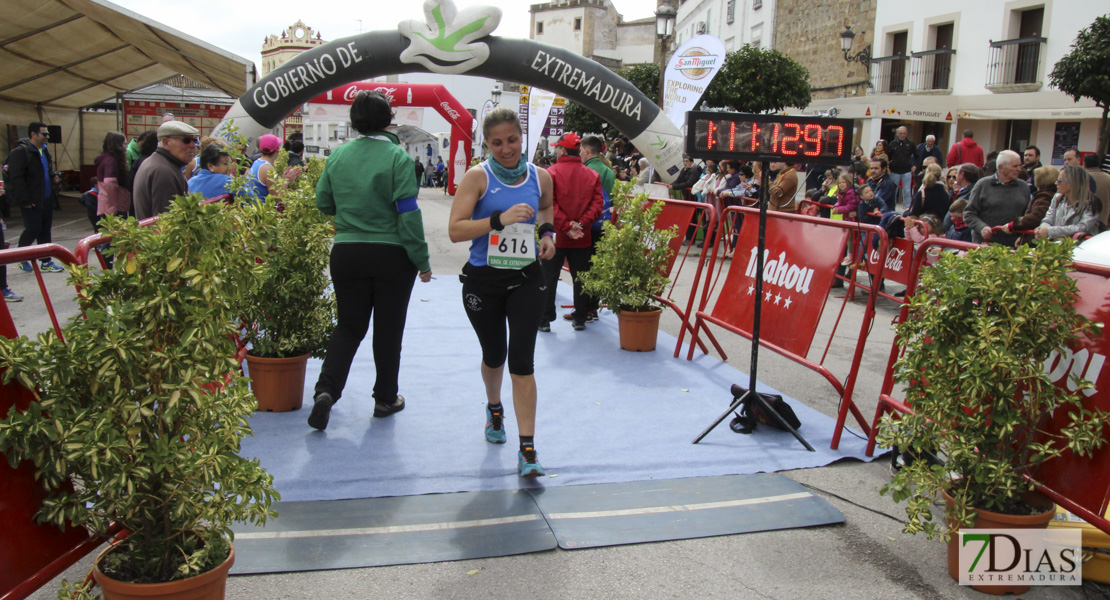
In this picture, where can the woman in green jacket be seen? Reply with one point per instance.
(379, 249)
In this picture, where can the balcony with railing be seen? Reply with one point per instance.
(1016, 65)
(888, 74)
(931, 71)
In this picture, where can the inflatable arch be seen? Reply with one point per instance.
(421, 94)
(455, 41)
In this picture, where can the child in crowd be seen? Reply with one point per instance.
(958, 230)
(847, 200)
(919, 229)
(88, 200)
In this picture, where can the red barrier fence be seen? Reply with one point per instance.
(1079, 484)
(682, 213)
(801, 257)
(31, 554)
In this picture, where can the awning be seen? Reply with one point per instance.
(1052, 114)
(77, 53)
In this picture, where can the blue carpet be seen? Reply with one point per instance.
(605, 415)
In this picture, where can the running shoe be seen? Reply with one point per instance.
(529, 465)
(580, 327)
(545, 326)
(495, 426)
(384, 409)
(11, 296)
(26, 266)
(50, 267)
(321, 411)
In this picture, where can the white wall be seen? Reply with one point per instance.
(976, 25)
(749, 25)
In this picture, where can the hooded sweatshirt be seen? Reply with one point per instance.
(966, 151)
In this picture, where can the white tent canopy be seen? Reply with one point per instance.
(79, 53)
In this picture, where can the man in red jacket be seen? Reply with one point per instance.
(578, 202)
(966, 151)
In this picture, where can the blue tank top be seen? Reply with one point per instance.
(499, 196)
(260, 190)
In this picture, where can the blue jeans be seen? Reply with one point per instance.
(905, 182)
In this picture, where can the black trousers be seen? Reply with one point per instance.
(370, 280)
(36, 225)
(579, 261)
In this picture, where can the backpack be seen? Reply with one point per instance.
(753, 413)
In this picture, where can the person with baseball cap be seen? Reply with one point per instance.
(259, 177)
(160, 178)
(578, 201)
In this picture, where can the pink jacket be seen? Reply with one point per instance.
(846, 201)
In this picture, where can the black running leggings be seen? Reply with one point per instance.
(369, 279)
(489, 306)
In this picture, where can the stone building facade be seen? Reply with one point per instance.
(808, 31)
(296, 38)
(594, 29)
(277, 50)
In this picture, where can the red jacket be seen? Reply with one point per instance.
(577, 198)
(965, 151)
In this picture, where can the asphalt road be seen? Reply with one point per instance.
(867, 557)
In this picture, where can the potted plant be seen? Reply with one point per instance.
(292, 311)
(626, 271)
(138, 415)
(973, 351)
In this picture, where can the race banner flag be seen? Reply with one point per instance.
(479, 134)
(689, 72)
(539, 108)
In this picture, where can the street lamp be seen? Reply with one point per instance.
(495, 94)
(863, 57)
(664, 30)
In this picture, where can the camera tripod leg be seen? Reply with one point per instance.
(737, 401)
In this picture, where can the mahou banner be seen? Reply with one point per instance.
(689, 72)
(799, 264)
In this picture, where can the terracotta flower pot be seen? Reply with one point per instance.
(986, 519)
(206, 586)
(277, 383)
(638, 330)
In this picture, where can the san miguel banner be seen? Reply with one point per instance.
(453, 41)
(689, 72)
(799, 265)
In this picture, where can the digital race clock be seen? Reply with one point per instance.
(723, 135)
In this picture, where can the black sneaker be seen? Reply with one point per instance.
(382, 409)
(591, 316)
(545, 326)
(321, 411)
(580, 327)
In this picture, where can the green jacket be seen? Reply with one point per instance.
(366, 184)
(608, 178)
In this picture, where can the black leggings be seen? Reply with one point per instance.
(492, 296)
(369, 279)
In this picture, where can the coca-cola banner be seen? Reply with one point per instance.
(420, 94)
(1084, 480)
(799, 265)
(899, 257)
(457, 41)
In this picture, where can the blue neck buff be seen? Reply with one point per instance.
(505, 175)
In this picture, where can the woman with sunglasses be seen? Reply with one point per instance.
(1074, 209)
